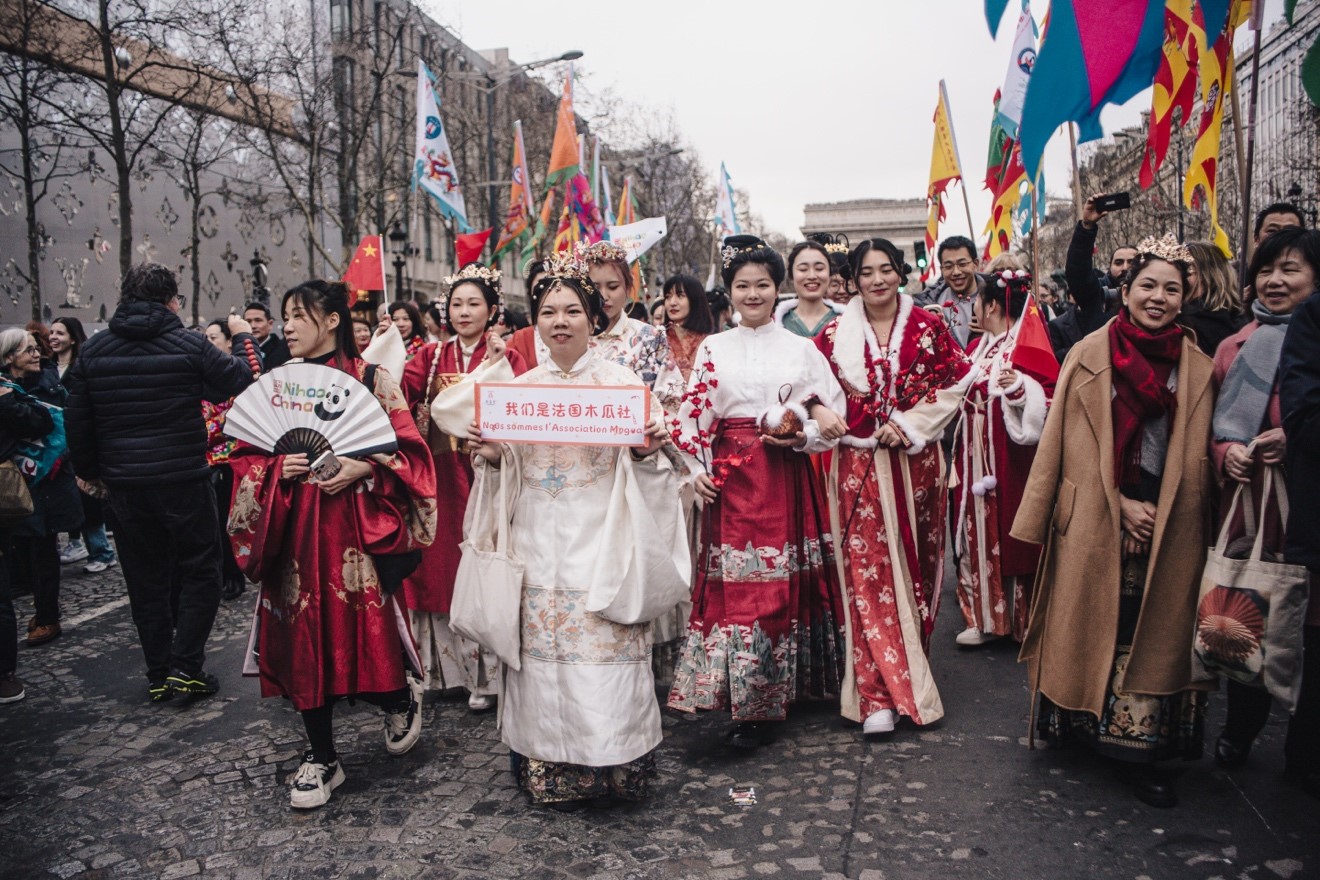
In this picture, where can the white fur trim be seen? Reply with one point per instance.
(859, 442)
(853, 332)
(1025, 418)
(918, 442)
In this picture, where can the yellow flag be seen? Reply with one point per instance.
(944, 167)
(564, 151)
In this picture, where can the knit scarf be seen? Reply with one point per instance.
(1245, 394)
(1143, 362)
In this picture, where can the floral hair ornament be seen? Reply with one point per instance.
(570, 264)
(1168, 249)
(601, 252)
(474, 272)
(750, 244)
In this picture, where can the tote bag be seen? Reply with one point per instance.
(487, 602)
(1250, 613)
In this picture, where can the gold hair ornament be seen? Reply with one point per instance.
(1167, 248)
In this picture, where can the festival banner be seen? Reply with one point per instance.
(434, 169)
(1175, 86)
(1013, 95)
(607, 198)
(519, 218)
(467, 248)
(726, 217)
(627, 207)
(944, 169)
(638, 238)
(572, 415)
(564, 151)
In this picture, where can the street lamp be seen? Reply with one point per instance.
(398, 247)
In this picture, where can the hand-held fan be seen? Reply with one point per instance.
(310, 408)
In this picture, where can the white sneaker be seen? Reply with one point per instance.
(880, 722)
(971, 637)
(314, 782)
(481, 703)
(404, 729)
(74, 552)
(96, 566)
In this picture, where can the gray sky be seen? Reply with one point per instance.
(805, 102)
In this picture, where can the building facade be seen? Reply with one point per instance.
(902, 221)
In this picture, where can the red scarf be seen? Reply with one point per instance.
(1143, 362)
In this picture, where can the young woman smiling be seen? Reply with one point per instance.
(809, 270)
(1110, 637)
(766, 622)
(328, 626)
(626, 341)
(904, 376)
(470, 312)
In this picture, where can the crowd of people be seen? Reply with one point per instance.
(814, 465)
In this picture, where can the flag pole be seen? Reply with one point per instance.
(1035, 251)
(1256, 15)
(1076, 175)
(962, 179)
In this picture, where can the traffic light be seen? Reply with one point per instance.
(919, 253)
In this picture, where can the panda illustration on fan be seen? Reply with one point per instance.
(333, 405)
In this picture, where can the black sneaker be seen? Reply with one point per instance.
(159, 691)
(201, 684)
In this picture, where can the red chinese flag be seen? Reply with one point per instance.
(469, 247)
(366, 271)
(1033, 354)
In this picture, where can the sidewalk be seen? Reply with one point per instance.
(98, 783)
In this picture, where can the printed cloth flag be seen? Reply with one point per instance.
(944, 169)
(564, 151)
(627, 205)
(607, 199)
(1007, 196)
(366, 271)
(566, 233)
(468, 247)
(1033, 353)
(1215, 66)
(434, 169)
(1092, 54)
(1008, 112)
(638, 238)
(726, 216)
(994, 13)
(580, 220)
(595, 170)
(1001, 145)
(1175, 86)
(519, 218)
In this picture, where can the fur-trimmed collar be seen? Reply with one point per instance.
(852, 333)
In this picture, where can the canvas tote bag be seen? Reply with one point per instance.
(487, 602)
(1250, 613)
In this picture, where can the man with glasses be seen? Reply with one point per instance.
(1095, 294)
(134, 422)
(959, 285)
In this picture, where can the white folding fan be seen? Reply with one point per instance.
(310, 408)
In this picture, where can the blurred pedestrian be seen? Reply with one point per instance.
(408, 320)
(958, 286)
(625, 340)
(218, 449)
(1094, 294)
(274, 351)
(1213, 310)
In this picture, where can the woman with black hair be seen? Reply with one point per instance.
(687, 324)
(526, 340)
(409, 323)
(1118, 494)
(433, 320)
(999, 426)
(471, 309)
(329, 625)
(904, 376)
(765, 629)
(580, 714)
(809, 311)
(841, 288)
(625, 340)
(218, 449)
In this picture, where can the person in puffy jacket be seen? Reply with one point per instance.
(134, 422)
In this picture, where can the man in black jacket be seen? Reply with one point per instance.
(1095, 294)
(134, 422)
(274, 350)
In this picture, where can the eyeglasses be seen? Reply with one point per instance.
(963, 265)
(31, 349)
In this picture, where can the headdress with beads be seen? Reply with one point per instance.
(744, 244)
(601, 252)
(570, 264)
(475, 272)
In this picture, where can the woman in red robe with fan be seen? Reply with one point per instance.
(328, 555)
(904, 376)
(470, 311)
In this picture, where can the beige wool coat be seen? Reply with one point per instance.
(1071, 506)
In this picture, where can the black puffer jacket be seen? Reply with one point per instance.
(134, 415)
(1299, 399)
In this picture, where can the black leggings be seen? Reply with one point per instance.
(320, 721)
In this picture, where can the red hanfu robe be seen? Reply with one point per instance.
(431, 587)
(888, 505)
(997, 433)
(324, 626)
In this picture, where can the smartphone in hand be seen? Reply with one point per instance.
(1112, 202)
(324, 468)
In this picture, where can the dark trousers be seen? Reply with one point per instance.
(169, 546)
(36, 567)
(222, 477)
(1249, 709)
(8, 622)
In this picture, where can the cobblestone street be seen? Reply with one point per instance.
(98, 783)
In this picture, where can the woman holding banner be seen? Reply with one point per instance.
(473, 352)
(767, 613)
(579, 714)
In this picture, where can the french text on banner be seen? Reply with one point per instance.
(575, 415)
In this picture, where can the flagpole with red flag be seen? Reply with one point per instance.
(367, 268)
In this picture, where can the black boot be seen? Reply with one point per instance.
(233, 587)
(1152, 786)
(1229, 754)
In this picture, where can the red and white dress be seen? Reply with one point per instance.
(765, 627)
(888, 505)
(998, 430)
(448, 660)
